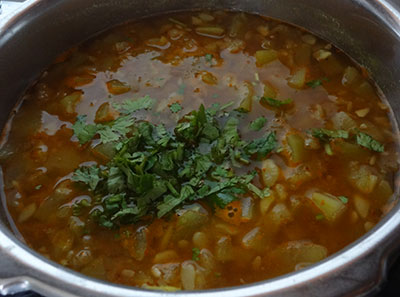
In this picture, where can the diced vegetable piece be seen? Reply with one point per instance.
(298, 79)
(80, 80)
(27, 212)
(117, 87)
(209, 78)
(266, 203)
(76, 225)
(247, 205)
(82, 258)
(362, 178)
(207, 260)
(263, 30)
(365, 89)
(302, 55)
(265, 56)
(70, 102)
(280, 214)
(210, 31)
(157, 42)
(300, 176)
(223, 249)
(253, 239)
(196, 21)
(47, 209)
(383, 191)
(269, 91)
(322, 54)
(329, 205)
(342, 121)
(361, 205)
(188, 223)
(309, 39)
(350, 76)
(200, 240)
(205, 17)
(165, 256)
(237, 27)
(301, 251)
(188, 276)
(105, 113)
(297, 147)
(140, 243)
(281, 191)
(62, 242)
(165, 240)
(270, 172)
(362, 112)
(246, 92)
(136, 243)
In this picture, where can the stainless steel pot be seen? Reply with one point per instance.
(367, 30)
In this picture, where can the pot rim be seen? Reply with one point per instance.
(374, 247)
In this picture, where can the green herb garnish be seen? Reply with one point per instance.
(319, 217)
(316, 82)
(152, 171)
(175, 107)
(368, 142)
(258, 124)
(275, 102)
(208, 57)
(326, 135)
(195, 254)
(344, 199)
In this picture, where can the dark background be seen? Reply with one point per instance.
(390, 289)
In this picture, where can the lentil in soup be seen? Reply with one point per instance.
(198, 150)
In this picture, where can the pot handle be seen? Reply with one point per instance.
(11, 281)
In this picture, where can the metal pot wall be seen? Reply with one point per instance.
(367, 30)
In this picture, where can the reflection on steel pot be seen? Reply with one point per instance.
(30, 39)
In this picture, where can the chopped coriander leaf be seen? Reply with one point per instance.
(195, 254)
(262, 146)
(153, 171)
(275, 102)
(130, 106)
(38, 187)
(328, 149)
(319, 217)
(87, 175)
(344, 199)
(316, 82)
(208, 57)
(326, 135)
(175, 107)
(83, 131)
(368, 142)
(258, 124)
